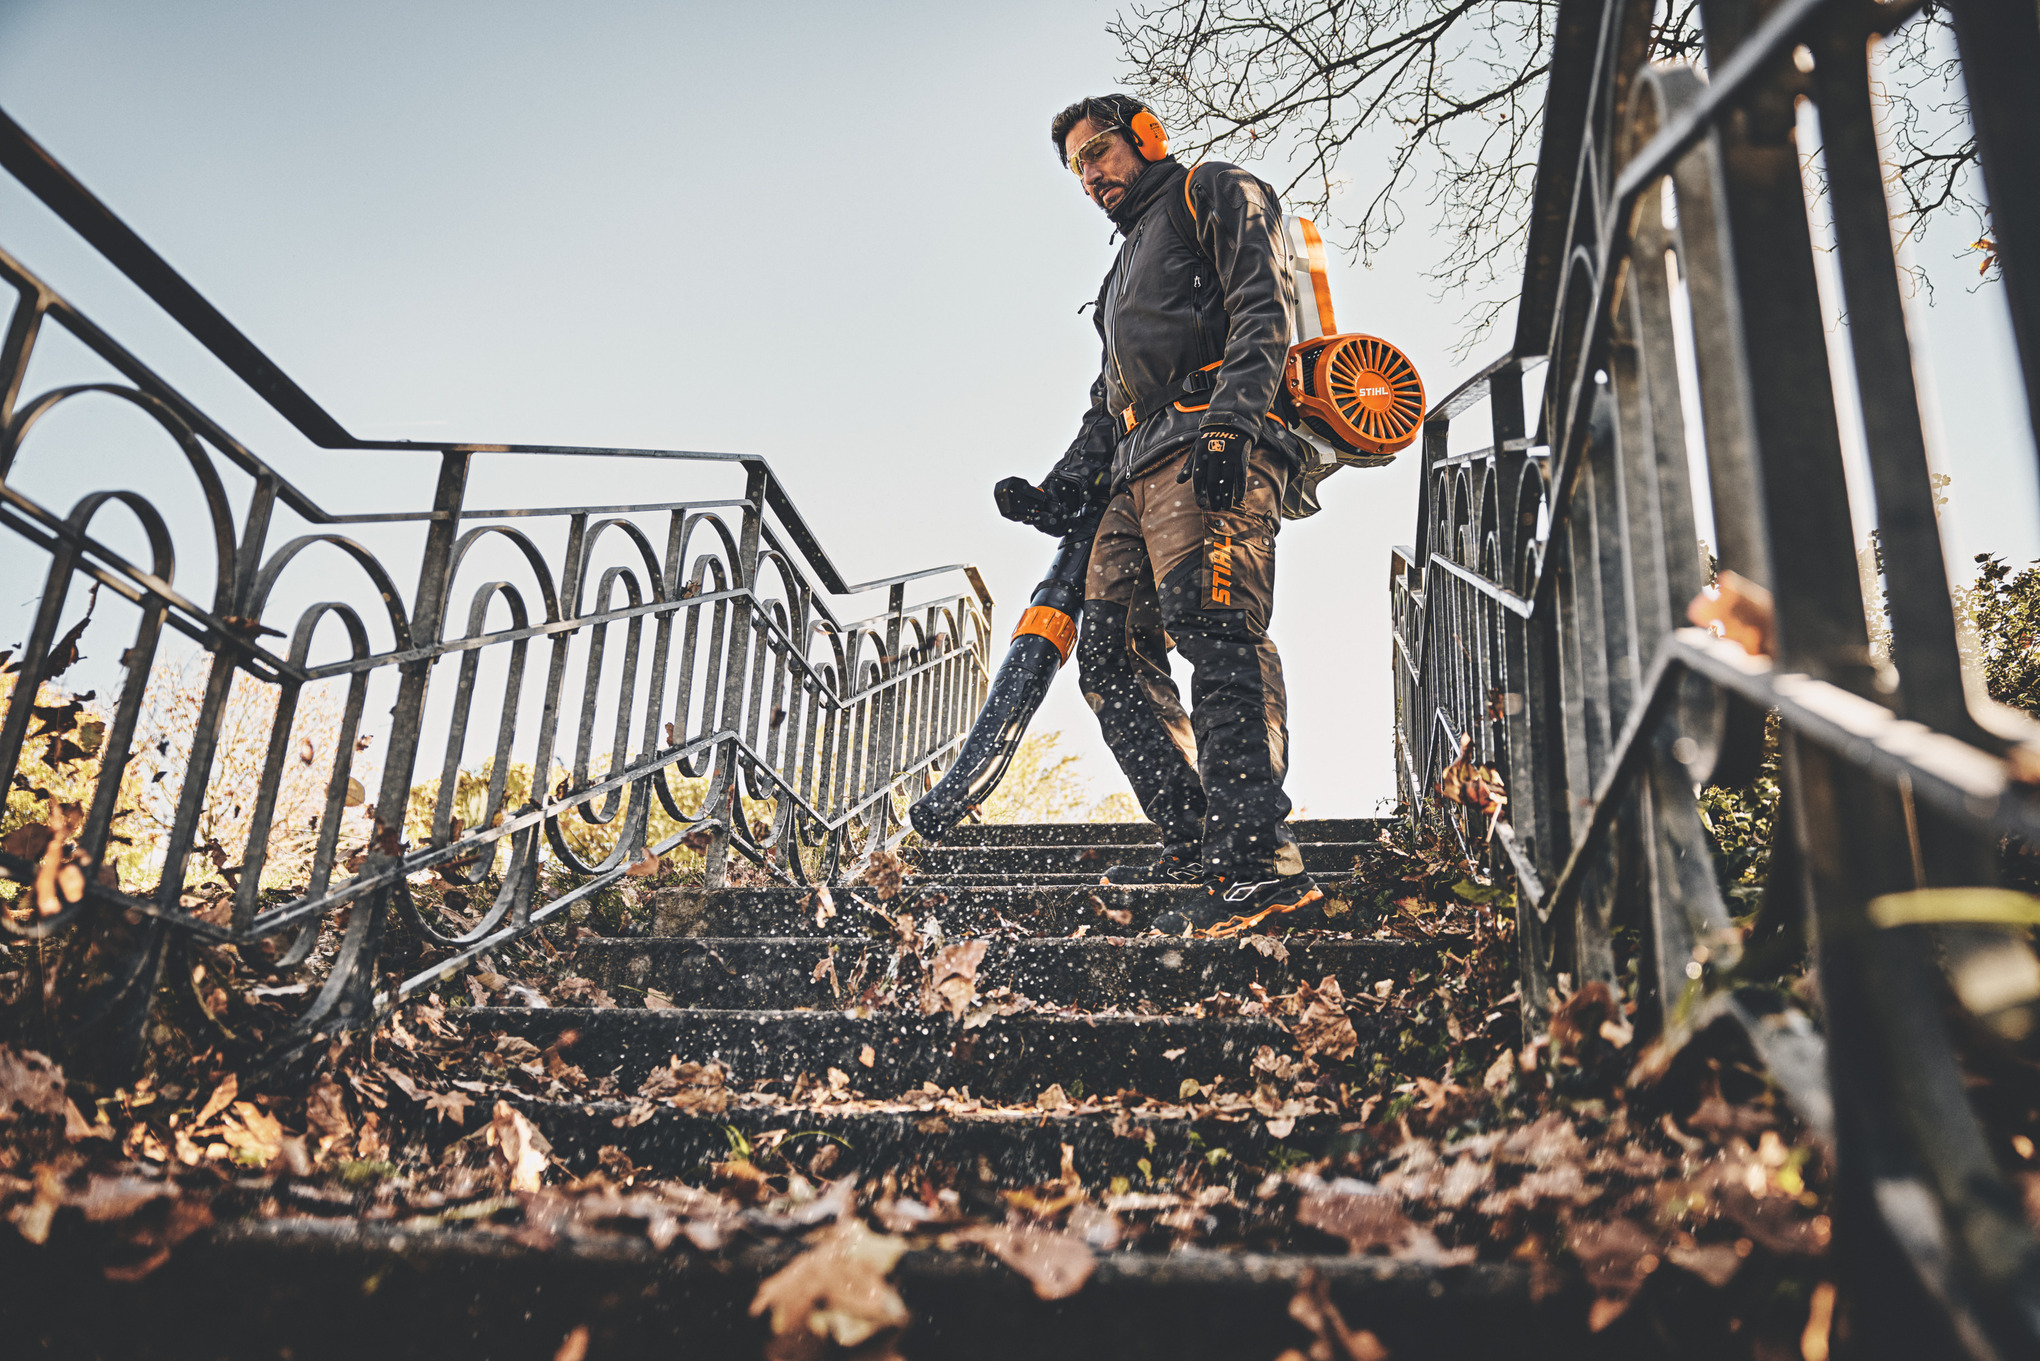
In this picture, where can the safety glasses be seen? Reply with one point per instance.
(1091, 151)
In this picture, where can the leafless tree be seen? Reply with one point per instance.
(1447, 97)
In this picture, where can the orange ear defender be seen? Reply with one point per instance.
(1356, 390)
(1149, 138)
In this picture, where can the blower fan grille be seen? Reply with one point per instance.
(1362, 390)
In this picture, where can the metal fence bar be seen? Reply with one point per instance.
(655, 668)
(1540, 620)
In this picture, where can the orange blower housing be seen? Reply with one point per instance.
(1357, 392)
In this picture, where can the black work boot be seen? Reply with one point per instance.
(1178, 865)
(1236, 904)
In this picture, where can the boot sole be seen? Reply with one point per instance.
(1239, 926)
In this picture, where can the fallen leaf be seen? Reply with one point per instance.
(1737, 609)
(867, 1056)
(520, 1149)
(952, 978)
(449, 1105)
(1714, 1263)
(837, 1289)
(699, 1088)
(1267, 946)
(1056, 1264)
(1053, 1099)
(1312, 1307)
(253, 1134)
(1322, 1029)
(574, 1347)
(644, 866)
(222, 1097)
(1615, 1255)
(1362, 1214)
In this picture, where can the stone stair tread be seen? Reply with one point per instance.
(1028, 861)
(962, 909)
(765, 971)
(399, 1290)
(1125, 833)
(1018, 1146)
(1007, 1058)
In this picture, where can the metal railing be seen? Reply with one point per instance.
(1542, 622)
(608, 682)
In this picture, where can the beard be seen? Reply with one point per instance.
(1104, 191)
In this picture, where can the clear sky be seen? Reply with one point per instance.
(832, 234)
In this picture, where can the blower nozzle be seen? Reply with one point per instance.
(1046, 636)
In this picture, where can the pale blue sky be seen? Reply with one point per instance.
(831, 234)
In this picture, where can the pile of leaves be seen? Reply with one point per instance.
(1458, 1137)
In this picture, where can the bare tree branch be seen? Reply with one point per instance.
(1446, 97)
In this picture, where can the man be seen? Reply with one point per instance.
(1195, 315)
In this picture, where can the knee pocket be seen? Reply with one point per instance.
(1182, 595)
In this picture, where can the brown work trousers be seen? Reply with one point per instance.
(1166, 573)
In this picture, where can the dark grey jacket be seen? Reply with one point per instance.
(1169, 309)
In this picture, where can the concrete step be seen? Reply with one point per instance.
(994, 1149)
(962, 909)
(1026, 862)
(311, 1290)
(1008, 1059)
(761, 972)
(1124, 833)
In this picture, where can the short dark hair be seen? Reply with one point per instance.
(1107, 111)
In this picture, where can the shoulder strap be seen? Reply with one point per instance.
(1183, 217)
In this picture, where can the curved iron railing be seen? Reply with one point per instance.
(1547, 673)
(646, 672)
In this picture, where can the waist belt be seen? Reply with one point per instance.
(1193, 384)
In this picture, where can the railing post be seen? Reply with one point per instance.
(885, 757)
(347, 997)
(736, 675)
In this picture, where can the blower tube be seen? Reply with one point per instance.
(1041, 644)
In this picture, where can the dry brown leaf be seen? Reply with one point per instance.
(1321, 1027)
(1475, 786)
(645, 865)
(1714, 1263)
(951, 983)
(223, 1096)
(1616, 1256)
(1737, 609)
(574, 1347)
(837, 1289)
(1056, 1264)
(1364, 1215)
(29, 1084)
(1267, 946)
(700, 1088)
(520, 1149)
(1312, 1307)
(449, 1105)
(253, 1134)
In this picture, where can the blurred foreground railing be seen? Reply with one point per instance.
(1570, 670)
(527, 702)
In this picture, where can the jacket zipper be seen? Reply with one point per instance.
(1112, 318)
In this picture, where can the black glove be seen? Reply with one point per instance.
(1050, 508)
(1216, 467)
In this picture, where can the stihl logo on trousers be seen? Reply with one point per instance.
(1218, 560)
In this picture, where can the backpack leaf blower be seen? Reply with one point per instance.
(1044, 640)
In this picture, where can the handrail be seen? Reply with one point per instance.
(80, 209)
(1540, 619)
(694, 632)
